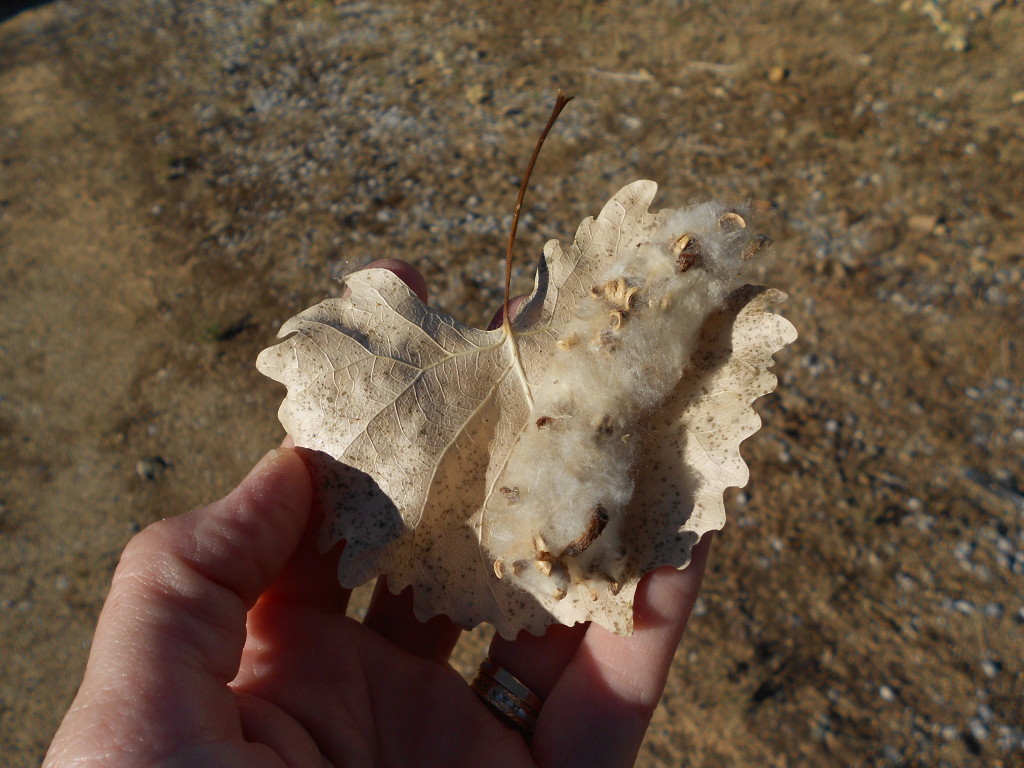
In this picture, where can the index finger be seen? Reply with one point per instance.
(600, 708)
(171, 632)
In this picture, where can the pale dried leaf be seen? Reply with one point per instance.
(529, 478)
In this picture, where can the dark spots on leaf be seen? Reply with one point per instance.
(511, 494)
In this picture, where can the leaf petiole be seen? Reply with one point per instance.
(560, 102)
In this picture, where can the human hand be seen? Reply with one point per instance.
(224, 642)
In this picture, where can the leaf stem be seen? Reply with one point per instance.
(560, 102)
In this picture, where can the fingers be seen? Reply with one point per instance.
(310, 578)
(601, 706)
(392, 617)
(538, 661)
(171, 633)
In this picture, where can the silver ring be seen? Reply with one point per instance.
(508, 697)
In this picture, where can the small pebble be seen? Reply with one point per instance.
(923, 222)
(963, 606)
(476, 94)
(991, 668)
(887, 693)
(152, 468)
(993, 610)
(963, 550)
(978, 730)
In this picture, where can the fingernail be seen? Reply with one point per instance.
(268, 458)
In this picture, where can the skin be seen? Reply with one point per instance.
(224, 642)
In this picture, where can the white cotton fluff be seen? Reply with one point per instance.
(569, 479)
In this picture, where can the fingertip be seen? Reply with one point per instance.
(513, 309)
(667, 595)
(241, 541)
(406, 272)
(282, 474)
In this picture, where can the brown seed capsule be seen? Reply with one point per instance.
(731, 222)
(544, 566)
(616, 317)
(598, 521)
(687, 251)
(681, 244)
(541, 548)
(755, 246)
(568, 342)
(686, 261)
(499, 568)
(619, 293)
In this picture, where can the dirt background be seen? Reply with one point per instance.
(176, 183)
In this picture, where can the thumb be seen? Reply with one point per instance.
(171, 632)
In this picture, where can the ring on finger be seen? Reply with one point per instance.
(508, 697)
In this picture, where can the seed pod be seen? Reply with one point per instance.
(755, 246)
(731, 222)
(597, 523)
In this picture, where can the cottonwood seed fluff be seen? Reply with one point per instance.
(569, 479)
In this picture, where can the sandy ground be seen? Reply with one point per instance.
(174, 184)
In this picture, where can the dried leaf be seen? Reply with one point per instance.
(530, 477)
